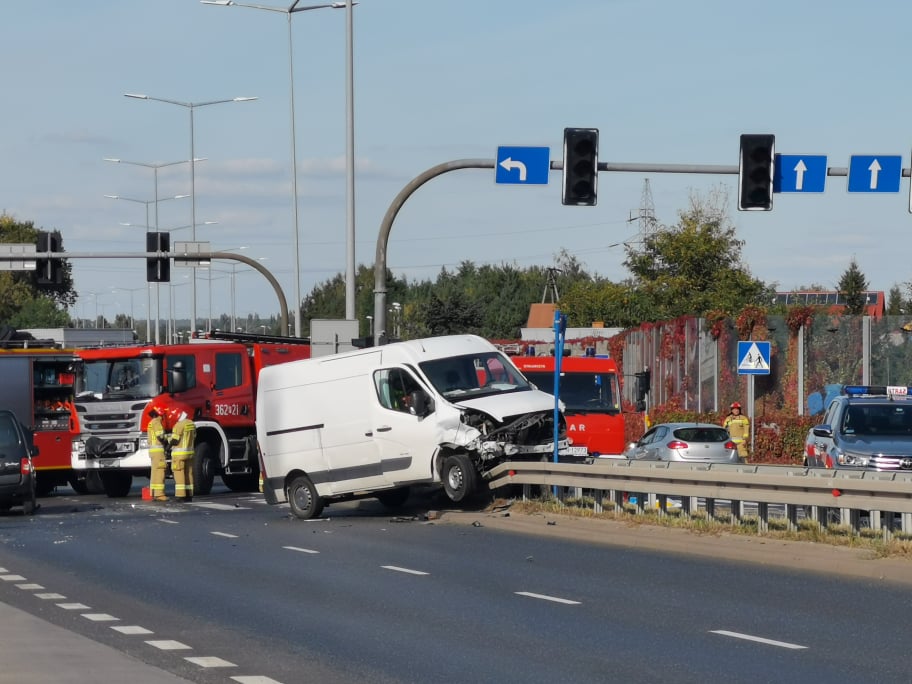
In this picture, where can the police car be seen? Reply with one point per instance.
(867, 428)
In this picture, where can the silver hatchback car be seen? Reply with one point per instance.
(685, 442)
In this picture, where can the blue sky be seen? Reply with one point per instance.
(664, 82)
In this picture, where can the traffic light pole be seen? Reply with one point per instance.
(32, 259)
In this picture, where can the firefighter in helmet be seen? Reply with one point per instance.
(738, 427)
(183, 440)
(155, 433)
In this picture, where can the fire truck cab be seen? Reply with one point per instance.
(590, 392)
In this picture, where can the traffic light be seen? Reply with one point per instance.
(580, 166)
(158, 269)
(50, 271)
(755, 172)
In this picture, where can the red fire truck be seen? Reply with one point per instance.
(215, 379)
(591, 394)
(38, 387)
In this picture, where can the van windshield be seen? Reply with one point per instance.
(474, 375)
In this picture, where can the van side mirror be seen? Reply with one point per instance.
(421, 404)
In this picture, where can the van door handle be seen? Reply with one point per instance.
(368, 434)
(385, 428)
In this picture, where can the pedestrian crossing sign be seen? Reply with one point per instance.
(753, 358)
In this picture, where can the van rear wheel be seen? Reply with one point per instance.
(458, 477)
(303, 498)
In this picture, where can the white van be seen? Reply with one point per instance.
(372, 422)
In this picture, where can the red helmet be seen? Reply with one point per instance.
(735, 405)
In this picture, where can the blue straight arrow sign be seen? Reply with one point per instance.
(872, 173)
(800, 173)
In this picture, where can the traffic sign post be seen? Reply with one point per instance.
(800, 173)
(522, 165)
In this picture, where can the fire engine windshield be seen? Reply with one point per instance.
(473, 375)
(119, 379)
(581, 391)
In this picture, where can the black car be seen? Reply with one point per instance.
(17, 474)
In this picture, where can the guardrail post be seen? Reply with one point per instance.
(907, 523)
(791, 517)
(763, 517)
(711, 508)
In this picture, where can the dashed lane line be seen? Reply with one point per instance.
(12, 578)
(100, 617)
(759, 640)
(224, 534)
(50, 596)
(299, 549)
(545, 597)
(29, 587)
(73, 606)
(254, 680)
(396, 568)
(131, 629)
(210, 661)
(168, 645)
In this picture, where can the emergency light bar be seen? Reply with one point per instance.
(880, 390)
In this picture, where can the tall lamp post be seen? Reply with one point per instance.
(191, 106)
(349, 160)
(155, 168)
(131, 290)
(149, 296)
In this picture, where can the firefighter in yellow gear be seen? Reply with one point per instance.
(183, 439)
(156, 436)
(738, 427)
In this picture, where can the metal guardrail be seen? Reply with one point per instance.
(849, 497)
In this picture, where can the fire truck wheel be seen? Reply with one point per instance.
(393, 498)
(203, 469)
(303, 498)
(116, 483)
(458, 477)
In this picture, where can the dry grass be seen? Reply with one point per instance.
(900, 546)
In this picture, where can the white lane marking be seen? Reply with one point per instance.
(131, 629)
(298, 548)
(73, 606)
(46, 597)
(545, 597)
(170, 522)
(12, 578)
(210, 661)
(219, 506)
(224, 534)
(761, 640)
(168, 645)
(3, 570)
(100, 617)
(29, 587)
(256, 679)
(405, 570)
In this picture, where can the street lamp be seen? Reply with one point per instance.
(147, 203)
(131, 290)
(349, 159)
(191, 106)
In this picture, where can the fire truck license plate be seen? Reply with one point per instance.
(125, 447)
(577, 451)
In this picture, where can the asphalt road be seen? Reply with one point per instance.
(230, 589)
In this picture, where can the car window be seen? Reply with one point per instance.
(700, 434)
(10, 444)
(394, 387)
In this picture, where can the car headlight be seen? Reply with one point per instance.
(847, 458)
(143, 443)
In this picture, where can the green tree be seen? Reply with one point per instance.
(23, 302)
(852, 287)
(695, 265)
(895, 303)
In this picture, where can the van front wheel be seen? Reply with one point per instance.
(458, 477)
(303, 498)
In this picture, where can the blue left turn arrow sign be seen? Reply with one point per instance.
(523, 165)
